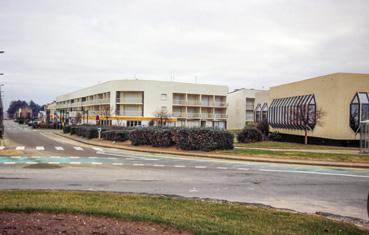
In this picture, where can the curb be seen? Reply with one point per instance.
(224, 157)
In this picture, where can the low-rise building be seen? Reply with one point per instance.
(143, 102)
(334, 105)
(241, 106)
(24, 113)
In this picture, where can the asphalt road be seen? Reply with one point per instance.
(341, 191)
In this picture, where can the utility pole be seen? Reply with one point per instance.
(1, 109)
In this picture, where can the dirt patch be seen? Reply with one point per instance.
(47, 223)
(43, 166)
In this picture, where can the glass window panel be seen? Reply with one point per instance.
(364, 112)
(354, 116)
(363, 98)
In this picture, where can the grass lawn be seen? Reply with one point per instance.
(285, 145)
(200, 217)
(339, 157)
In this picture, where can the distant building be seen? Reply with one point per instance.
(138, 103)
(343, 99)
(51, 113)
(24, 113)
(241, 105)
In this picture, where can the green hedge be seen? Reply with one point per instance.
(249, 135)
(115, 135)
(204, 139)
(85, 131)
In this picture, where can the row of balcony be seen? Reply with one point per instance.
(200, 115)
(84, 103)
(129, 100)
(199, 103)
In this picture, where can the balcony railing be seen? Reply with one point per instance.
(207, 115)
(129, 113)
(193, 102)
(179, 114)
(220, 116)
(220, 104)
(250, 107)
(193, 115)
(96, 102)
(129, 100)
(179, 102)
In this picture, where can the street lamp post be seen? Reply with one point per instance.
(1, 109)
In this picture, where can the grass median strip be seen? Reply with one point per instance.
(198, 216)
(338, 157)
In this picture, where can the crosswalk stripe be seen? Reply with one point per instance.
(157, 165)
(96, 163)
(59, 148)
(15, 157)
(73, 157)
(97, 149)
(243, 169)
(53, 162)
(117, 164)
(30, 163)
(20, 148)
(2, 147)
(40, 148)
(9, 163)
(54, 157)
(74, 163)
(179, 166)
(138, 164)
(200, 167)
(78, 148)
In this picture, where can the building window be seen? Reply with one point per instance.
(291, 112)
(164, 109)
(163, 97)
(133, 123)
(258, 113)
(359, 110)
(264, 112)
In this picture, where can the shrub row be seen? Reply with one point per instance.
(115, 135)
(204, 139)
(88, 132)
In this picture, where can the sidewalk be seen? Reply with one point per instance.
(173, 151)
(337, 151)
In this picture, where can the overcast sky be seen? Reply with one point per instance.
(53, 47)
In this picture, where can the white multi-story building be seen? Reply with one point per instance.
(241, 107)
(137, 102)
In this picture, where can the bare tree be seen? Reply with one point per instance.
(106, 111)
(306, 118)
(163, 117)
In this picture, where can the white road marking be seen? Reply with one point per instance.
(30, 163)
(35, 157)
(53, 162)
(93, 157)
(74, 163)
(200, 167)
(74, 157)
(157, 165)
(20, 148)
(138, 164)
(15, 157)
(96, 163)
(180, 166)
(97, 149)
(9, 163)
(243, 169)
(78, 148)
(117, 164)
(2, 147)
(315, 173)
(40, 148)
(54, 157)
(59, 148)
(222, 168)
(112, 158)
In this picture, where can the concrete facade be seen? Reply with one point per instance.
(241, 107)
(333, 94)
(137, 102)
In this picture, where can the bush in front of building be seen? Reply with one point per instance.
(86, 131)
(119, 135)
(66, 129)
(203, 139)
(249, 135)
(263, 126)
(141, 136)
(162, 137)
(275, 136)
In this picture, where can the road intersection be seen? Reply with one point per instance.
(340, 191)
